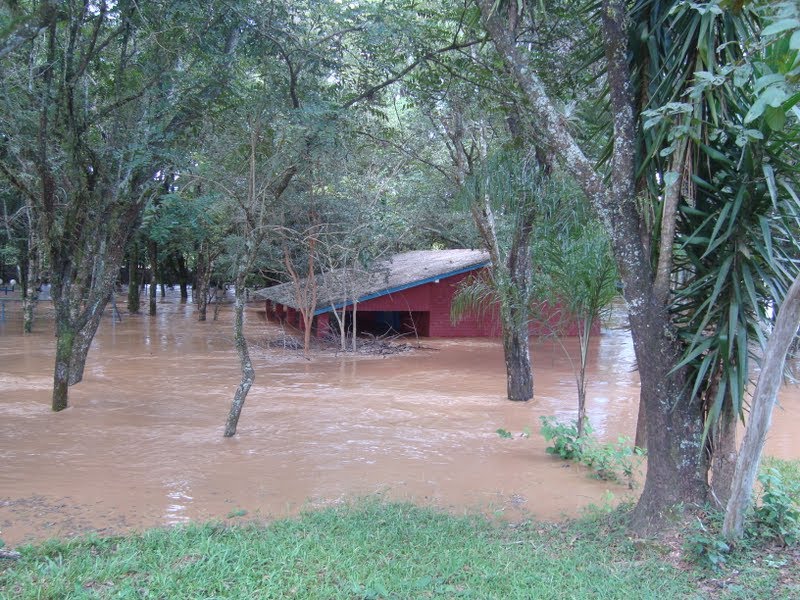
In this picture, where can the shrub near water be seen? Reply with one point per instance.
(613, 462)
(777, 513)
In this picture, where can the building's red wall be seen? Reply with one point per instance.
(435, 298)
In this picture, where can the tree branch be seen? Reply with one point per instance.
(31, 28)
(368, 93)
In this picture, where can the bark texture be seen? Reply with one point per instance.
(764, 398)
(519, 375)
(246, 365)
(676, 472)
(723, 457)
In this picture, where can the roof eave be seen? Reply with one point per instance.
(400, 288)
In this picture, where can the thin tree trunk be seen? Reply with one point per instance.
(33, 282)
(355, 325)
(586, 331)
(218, 300)
(248, 373)
(183, 278)
(668, 224)
(152, 249)
(764, 398)
(204, 267)
(134, 300)
(308, 322)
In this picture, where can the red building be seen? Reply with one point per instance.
(410, 293)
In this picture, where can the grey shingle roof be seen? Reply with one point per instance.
(401, 271)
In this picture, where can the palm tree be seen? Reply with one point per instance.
(722, 230)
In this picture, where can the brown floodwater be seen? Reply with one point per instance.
(141, 444)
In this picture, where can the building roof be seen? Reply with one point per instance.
(400, 272)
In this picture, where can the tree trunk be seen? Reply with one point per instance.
(204, 267)
(82, 341)
(764, 398)
(355, 325)
(640, 440)
(723, 456)
(516, 346)
(308, 322)
(183, 278)
(676, 474)
(152, 250)
(65, 335)
(134, 301)
(30, 296)
(248, 373)
(218, 299)
(676, 464)
(584, 337)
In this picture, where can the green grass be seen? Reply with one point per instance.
(368, 550)
(372, 549)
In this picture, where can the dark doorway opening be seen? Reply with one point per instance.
(381, 323)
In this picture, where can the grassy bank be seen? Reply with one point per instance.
(393, 551)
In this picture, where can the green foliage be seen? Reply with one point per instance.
(564, 437)
(778, 513)
(735, 109)
(475, 295)
(611, 462)
(775, 517)
(706, 547)
(575, 268)
(9, 254)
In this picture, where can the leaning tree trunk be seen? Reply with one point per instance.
(248, 373)
(764, 398)
(516, 346)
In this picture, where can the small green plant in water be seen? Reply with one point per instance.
(611, 462)
(564, 438)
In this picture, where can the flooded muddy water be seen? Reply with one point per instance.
(141, 444)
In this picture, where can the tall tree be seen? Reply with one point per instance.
(675, 414)
(674, 424)
(86, 129)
